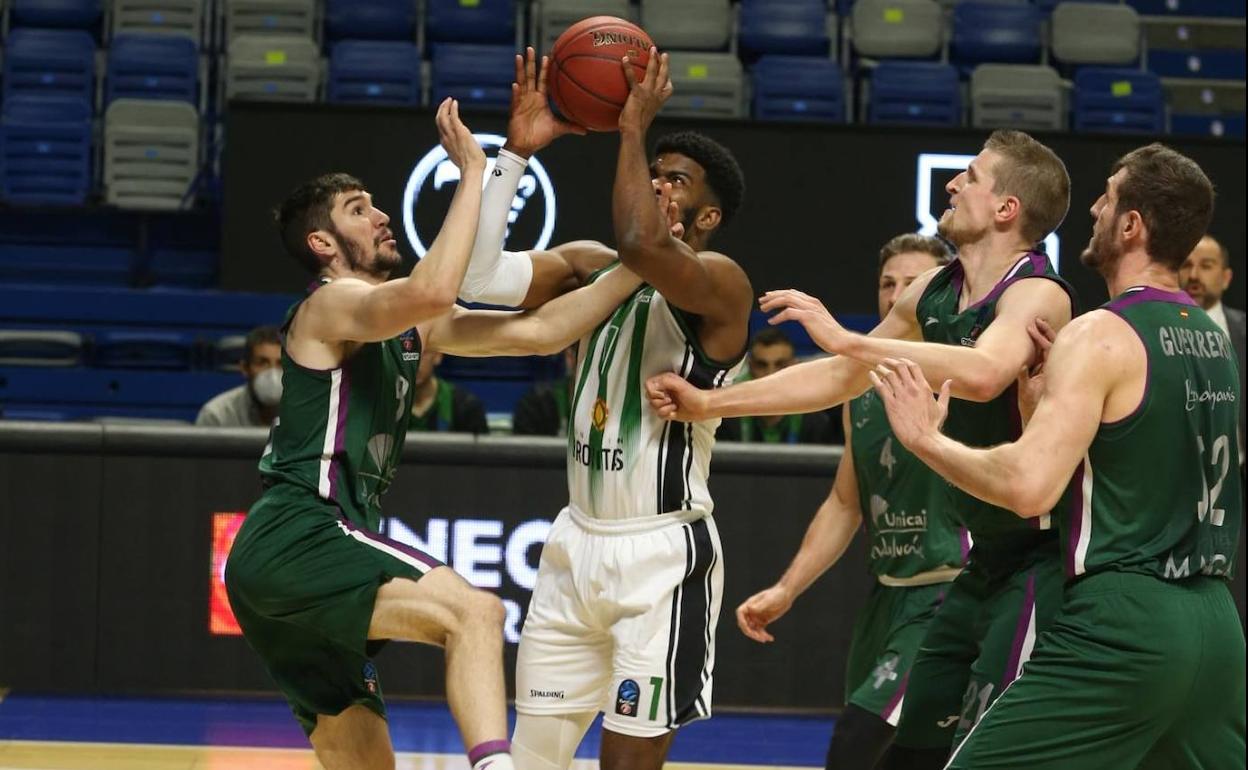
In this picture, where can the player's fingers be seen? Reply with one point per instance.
(519, 66)
(788, 314)
(880, 386)
(915, 375)
(943, 399)
(652, 67)
(664, 81)
(629, 74)
(543, 75)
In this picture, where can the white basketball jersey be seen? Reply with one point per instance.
(624, 461)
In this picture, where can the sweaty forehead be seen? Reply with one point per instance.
(669, 162)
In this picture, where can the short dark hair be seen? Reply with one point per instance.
(723, 173)
(1223, 253)
(1172, 195)
(1032, 172)
(907, 242)
(261, 335)
(306, 210)
(770, 335)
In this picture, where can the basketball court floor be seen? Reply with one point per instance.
(54, 732)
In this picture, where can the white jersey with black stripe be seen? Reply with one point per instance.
(624, 462)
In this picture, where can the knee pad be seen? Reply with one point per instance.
(548, 741)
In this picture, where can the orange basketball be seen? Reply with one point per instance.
(586, 80)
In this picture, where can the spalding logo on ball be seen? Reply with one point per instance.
(587, 81)
(535, 198)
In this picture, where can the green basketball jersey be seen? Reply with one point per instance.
(339, 432)
(1159, 491)
(905, 505)
(1003, 534)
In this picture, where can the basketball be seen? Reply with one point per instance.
(586, 81)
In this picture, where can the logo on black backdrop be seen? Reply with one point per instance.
(431, 184)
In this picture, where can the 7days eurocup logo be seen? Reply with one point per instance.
(427, 197)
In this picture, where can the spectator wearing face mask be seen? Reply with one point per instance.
(255, 402)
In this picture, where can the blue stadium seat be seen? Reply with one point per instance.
(793, 27)
(482, 21)
(143, 350)
(45, 150)
(181, 267)
(377, 72)
(1226, 8)
(1118, 101)
(798, 88)
(1222, 126)
(81, 14)
(370, 19)
(477, 75)
(917, 93)
(1211, 64)
(1005, 33)
(84, 393)
(49, 61)
(152, 67)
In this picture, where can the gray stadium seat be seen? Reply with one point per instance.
(1095, 33)
(273, 68)
(151, 153)
(693, 25)
(897, 28)
(1182, 33)
(706, 85)
(40, 347)
(552, 17)
(297, 18)
(1022, 96)
(158, 17)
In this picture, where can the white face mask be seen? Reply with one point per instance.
(267, 386)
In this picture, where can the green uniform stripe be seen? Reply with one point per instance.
(630, 418)
(612, 333)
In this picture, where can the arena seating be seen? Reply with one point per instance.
(118, 107)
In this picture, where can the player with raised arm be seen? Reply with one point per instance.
(1144, 665)
(315, 587)
(969, 322)
(622, 618)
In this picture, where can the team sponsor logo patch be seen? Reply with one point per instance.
(370, 677)
(627, 697)
(600, 414)
(407, 341)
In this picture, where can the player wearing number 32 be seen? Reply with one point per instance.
(1144, 664)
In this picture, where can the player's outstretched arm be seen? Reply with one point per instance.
(542, 331)
(501, 277)
(1088, 360)
(706, 284)
(979, 373)
(357, 311)
(810, 386)
(829, 534)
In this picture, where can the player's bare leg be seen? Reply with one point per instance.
(356, 739)
(626, 752)
(443, 609)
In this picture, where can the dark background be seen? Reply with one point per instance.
(106, 554)
(820, 200)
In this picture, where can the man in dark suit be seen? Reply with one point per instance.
(1206, 275)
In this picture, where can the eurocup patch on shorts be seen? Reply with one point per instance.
(370, 677)
(627, 697)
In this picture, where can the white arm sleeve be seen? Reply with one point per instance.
(495, 276)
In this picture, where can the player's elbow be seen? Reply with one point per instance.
(1032, 497)
(987, 383)
(434, 298)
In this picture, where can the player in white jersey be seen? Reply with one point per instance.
(622, 618)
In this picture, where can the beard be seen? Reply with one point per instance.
(1101, 254)
(381, 264)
